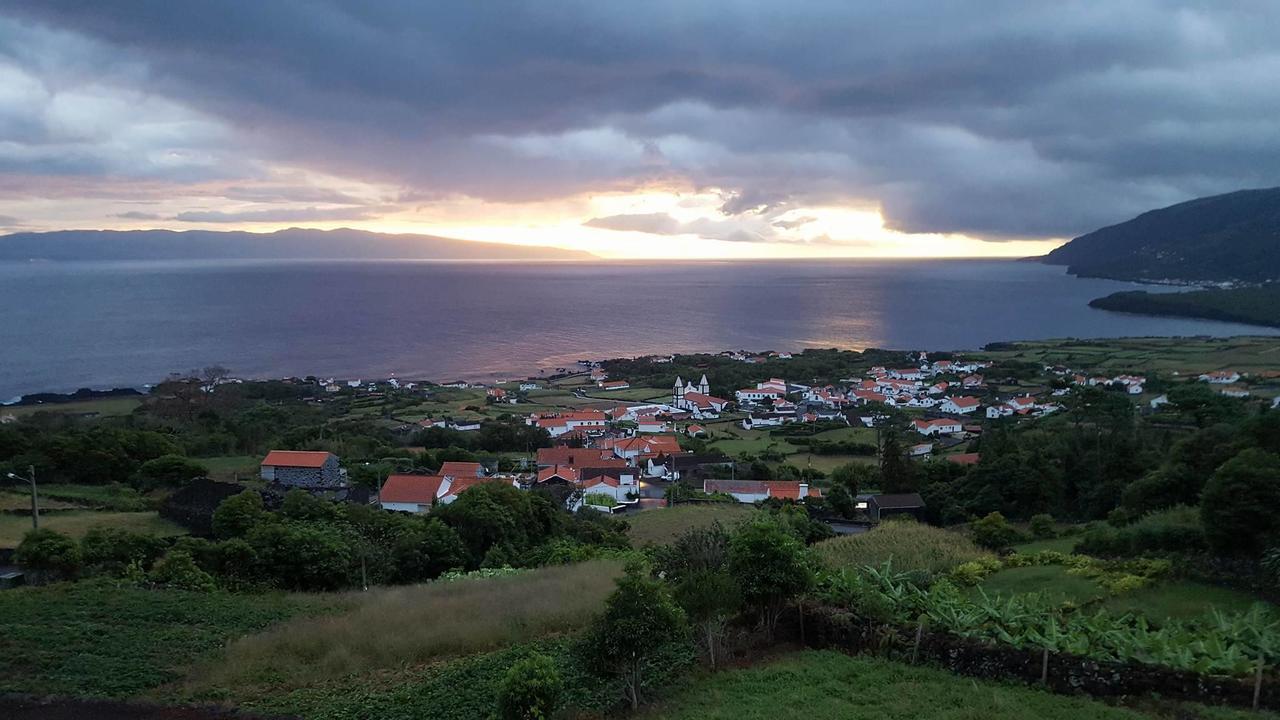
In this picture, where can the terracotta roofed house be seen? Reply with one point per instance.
(410, 493)
(303, 469)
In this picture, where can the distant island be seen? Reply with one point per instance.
(289, 244)
(1231, 238)
(1251, 305)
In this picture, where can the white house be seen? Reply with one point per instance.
(959, 405)
(938, 426)
(1158, 401)
(1221, 377)
(758, 395)
(922, 450)
(526, 386)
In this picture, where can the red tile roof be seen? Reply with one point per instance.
(460, 470)
(963, 458)
(420, 489)
(296, 458)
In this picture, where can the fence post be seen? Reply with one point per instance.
(1044, 667)
(915, 650)
(1257, 685)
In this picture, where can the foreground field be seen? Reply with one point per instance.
(392, 628)
(905, 545)
(663, 525)
(816, 685)
(93, 639)
(76, 523)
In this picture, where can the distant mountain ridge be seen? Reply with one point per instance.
(289, 244)
(1231, 237)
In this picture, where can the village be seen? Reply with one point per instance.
(625, 455)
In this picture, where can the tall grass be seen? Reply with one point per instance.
(908, 545)
(661, 526)
(398, 627)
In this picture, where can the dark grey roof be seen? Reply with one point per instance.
(898, 501)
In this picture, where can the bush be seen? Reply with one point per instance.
(238, 514)
(113, 549)
(639, 621)
(1042, 526)
(771, 566)
(48, 555)
(994, 532)
(1176, 530)
(531, 690)
(179, 571)
(168, 471)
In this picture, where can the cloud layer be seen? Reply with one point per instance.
(1000, 119)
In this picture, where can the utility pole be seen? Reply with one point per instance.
(35, 500)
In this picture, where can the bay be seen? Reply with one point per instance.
(69, 325)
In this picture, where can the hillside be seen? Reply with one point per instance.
(1235, 236)
(293, 243)
(1251, 305)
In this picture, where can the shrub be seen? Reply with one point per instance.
(1042, 526)
(113, 549)
(1175, 530)
(531, 690)
(238, 514)
(49, 555)
(168, 471)
(994, 532)
(179, 571)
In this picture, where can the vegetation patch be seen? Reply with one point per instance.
(657, 527)
(825, 684)
(904, 545)
(77, 523)
(100, 639)
(396, 627)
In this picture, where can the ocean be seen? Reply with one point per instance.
(124, 324)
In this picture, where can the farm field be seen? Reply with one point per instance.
(1053, 581)
(434, 620)
(78, 522)
(663, 524)
(94, 639)
(1180, 600)
(104, 407)
(231, 467)
(825, 684)
(1165, 355)
(904, 545)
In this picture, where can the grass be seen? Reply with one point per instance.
(1180, 600)
(18, 500)
(907, 545)
(76, 523)
(231, 467)
(825, 684)
(106, 407)
(1185, 356)
(392, 628)
(97, 640)
(101, 497)
(1051, 580)
(663, 525)
(1064, 544)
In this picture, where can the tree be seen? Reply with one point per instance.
(303, 556)
(896, 474)
(639, 620)
(994, 532)
(1239, 504)
(709, 598)
(168, 471)
(846, 482)
(771, 567)
(531, 690)
(48, 555)
(238, 514)
(428, 552)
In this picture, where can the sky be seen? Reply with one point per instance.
(710, 129)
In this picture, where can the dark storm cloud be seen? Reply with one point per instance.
(1000, 118)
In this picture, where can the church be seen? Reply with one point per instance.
(697, 399)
